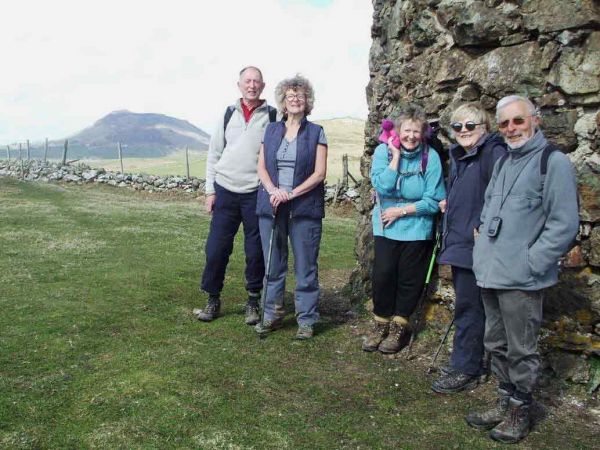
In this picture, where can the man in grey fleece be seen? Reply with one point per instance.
(528, 221)
(231, 189)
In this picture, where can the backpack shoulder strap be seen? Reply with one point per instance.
(424, 159)
(228, 113)
(544, 159)
(272, 114)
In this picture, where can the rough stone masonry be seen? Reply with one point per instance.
(442, 53)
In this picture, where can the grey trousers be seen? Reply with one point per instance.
(304, 235)
(512, 325)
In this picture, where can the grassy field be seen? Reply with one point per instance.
(345, 136)
(98, 347)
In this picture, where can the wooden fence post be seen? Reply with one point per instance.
(187, 162)
(120, 155)
(345, 170)
(28, 151)
(64, 158)
(46, 150)
(8, 152)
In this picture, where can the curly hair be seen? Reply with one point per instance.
(412, 112)
(297, 83)
(474, 111)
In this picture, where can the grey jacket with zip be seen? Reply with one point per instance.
(234, 166)
(539, 220)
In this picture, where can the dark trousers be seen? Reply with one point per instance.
(469, 320)
(230, 210)
(399, 271)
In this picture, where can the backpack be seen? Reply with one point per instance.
(229, 112)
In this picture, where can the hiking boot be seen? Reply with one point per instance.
(492, 417)
(268, 325)
(515, 425)
(454, 382)
(252, 316)
(393, 342)
(304, 332)
(377, 333)
(447, 370)
(210, 312)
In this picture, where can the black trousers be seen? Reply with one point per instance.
(231, 210)
(399, 271)
(469, 322)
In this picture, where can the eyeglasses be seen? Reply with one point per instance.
(299, 97)
(519, 120)
(470, 126)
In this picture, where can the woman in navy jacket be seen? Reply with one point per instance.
(292, 165)
(472, 160)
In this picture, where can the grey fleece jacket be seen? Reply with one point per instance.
(539, 220)
(235, 166)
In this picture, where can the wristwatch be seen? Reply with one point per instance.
(404, 212)
(291, 195)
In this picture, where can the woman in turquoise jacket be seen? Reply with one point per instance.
(409, 185)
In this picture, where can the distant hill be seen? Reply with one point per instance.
(140, 134)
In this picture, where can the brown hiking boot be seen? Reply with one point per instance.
(268, 325)
(393, 342)
(210, 312)
(377, 333)
(515, 425)
(304, 332)
(489, 419)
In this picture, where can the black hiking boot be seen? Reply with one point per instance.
(393, 342)
(515, 425)
(377, 333)
(252, 316)
(454, 382)
(211, 311)
(489, 419)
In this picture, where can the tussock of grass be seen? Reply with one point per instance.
(99, 348)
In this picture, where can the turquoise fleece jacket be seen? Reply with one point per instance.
(405, 186)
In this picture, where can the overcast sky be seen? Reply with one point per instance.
(67, 63)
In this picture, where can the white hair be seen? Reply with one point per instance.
(505, 101)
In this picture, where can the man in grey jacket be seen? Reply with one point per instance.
(529, 219)
(231, 189)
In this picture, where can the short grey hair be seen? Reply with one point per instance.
(297, 83)
(474, 111)
(413, 112)
(505, 101)
(253, 68)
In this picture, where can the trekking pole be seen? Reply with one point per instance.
(432, 367)
(421, 303)
(266, 279)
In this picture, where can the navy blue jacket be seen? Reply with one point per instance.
(312, 203)
(470, 173)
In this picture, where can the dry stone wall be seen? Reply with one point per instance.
(442, 53)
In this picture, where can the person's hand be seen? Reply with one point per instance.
(278, 197)
(442, 205)
(209, 203)
(395, 150)
(475, 233)
(390, 215)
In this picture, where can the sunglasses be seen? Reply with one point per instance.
(469, 126)
(515, 120)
